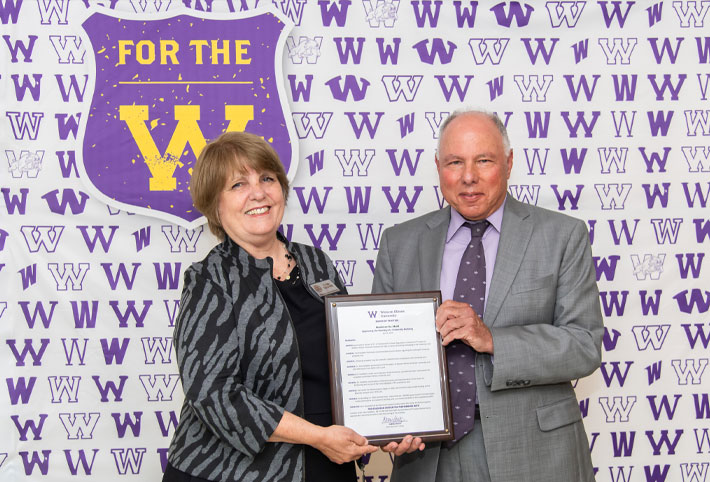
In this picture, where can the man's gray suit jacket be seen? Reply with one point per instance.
(544, 314)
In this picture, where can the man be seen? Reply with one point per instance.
(542, 328)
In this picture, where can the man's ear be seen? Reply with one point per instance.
(509, 161)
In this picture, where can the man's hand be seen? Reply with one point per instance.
(408, 445)
(458, 321)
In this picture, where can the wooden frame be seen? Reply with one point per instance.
(401, 393)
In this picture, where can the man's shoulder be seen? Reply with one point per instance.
(543, 215)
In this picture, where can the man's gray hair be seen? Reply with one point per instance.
(467, 111)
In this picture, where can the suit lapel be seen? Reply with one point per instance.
(431, 250)
(515, 233)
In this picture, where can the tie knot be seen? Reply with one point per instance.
(477, 228)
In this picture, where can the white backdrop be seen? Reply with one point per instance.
(607, 108)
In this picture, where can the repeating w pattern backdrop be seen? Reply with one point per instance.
(607, 107)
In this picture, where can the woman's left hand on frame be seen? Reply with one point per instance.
(342, 444)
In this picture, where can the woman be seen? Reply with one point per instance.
(250, 335)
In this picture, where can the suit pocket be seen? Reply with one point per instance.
(558, 414)
(532, 284)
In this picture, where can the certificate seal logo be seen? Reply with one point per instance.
(164, 87)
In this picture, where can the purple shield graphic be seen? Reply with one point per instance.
(166, 86)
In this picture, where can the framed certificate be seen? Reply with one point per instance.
(387, 366)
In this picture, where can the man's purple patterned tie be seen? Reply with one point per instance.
(470, 288)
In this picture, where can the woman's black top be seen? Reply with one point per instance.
(308, 316)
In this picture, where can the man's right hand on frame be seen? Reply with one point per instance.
(408, 445)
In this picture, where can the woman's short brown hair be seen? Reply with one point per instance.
(230, 152)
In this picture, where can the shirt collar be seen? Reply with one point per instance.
(457, 220)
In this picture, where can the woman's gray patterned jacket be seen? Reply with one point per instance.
(239, 364)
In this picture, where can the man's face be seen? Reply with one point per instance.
(473, 167)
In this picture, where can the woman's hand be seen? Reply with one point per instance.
(408, 445)
(341, 444)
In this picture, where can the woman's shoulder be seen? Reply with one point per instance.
(316, 265)
(310, 254)
(305, 248)
(214, 268)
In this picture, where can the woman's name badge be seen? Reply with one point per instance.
(326, 287)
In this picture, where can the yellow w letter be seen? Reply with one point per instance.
(162, 166)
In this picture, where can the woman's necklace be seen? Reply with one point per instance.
(286, 273)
